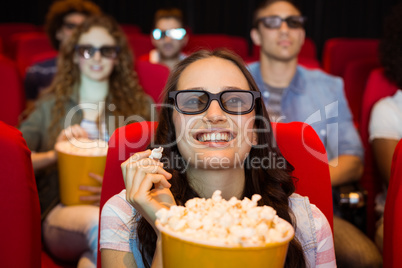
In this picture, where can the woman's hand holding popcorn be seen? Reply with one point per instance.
(72, 132)
(147, 186)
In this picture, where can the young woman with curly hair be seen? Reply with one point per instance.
(186, 130)
(94, 91)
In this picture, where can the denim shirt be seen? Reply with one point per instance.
(305, 227)
(134, 246)
(305, 231)
(317, 99)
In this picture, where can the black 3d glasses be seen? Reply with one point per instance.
(87, 51)
(275, 22)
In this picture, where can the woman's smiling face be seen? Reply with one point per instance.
(97, 67)
(214, 139)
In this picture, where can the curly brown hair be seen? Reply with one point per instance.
(60, 9)
(125, 92)
(390, 47)
(275, 185)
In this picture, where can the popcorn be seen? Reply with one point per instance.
(83, 147)
(230, 223)
(156, 153)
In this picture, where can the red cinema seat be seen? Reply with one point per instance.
(297, 141)
(12, 93)
(130, 28)
(140, 44)
(124, 142)
(19, 206)
(309, 63)
(393, 214)
(214, 41)
(301, 146)
(152, 78)
(20, 227)
(377, 87)
(43, 56)
(8, 29)
(28, 46)
(355, 79)
(308, 50)
(338, 52)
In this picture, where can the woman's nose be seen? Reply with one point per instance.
(97, 55)
(214, 113)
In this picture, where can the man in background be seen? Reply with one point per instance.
(294, 93)
(168, 37)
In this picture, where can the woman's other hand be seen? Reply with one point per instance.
(44, 159)
(96, 190)
(74, 131)
(147, 186)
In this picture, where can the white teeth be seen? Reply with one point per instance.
(224, 136)
(96, 67)
(215, 137)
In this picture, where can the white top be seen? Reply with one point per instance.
(386, 118)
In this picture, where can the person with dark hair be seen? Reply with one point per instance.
(213, 113)
(62, 18)
(168, 36)
(294, 93)
(385, 125)
(94, 91)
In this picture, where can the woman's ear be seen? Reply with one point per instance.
(254, 142)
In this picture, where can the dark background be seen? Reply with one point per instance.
(326, 18)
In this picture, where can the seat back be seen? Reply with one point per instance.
(152, 78)
(214, 41)
(20, 227)
(9, 29)
(377, 87)
(130, 28)
(124, 142)
(28, 46)
(338, 52)
(303, 149)
(355, 79)
(40, 57)
(298, 142)
(393, 214)
(11, 91)
(140, 44)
